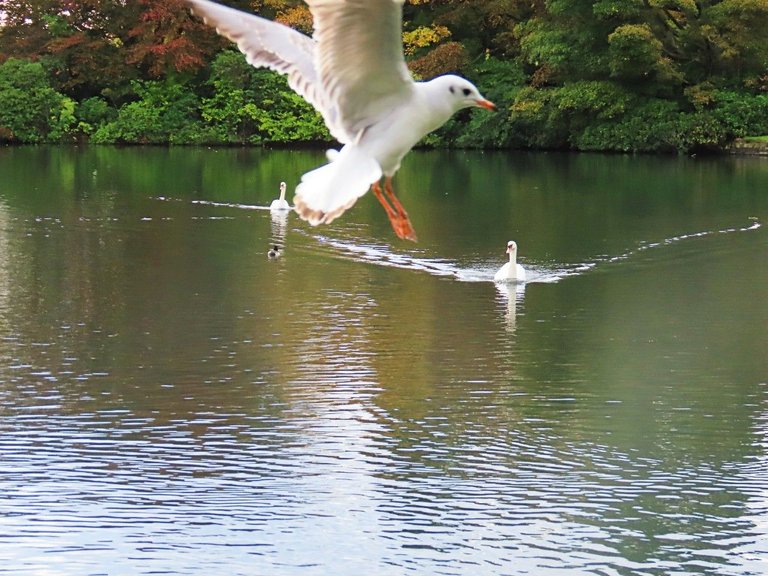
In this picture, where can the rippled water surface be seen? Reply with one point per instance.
(174, 402)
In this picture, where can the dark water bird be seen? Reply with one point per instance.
(274, 252)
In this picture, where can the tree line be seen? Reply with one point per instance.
(610, 75)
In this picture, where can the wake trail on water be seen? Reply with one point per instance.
(215, 204)
(544, 273)
(547, 273)
(644, 246)
(382, 255)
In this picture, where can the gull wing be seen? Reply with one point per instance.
(276, 46)
(360, 60)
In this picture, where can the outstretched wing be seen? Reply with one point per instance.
(272, 45)
(360, 60)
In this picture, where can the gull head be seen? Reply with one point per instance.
(462, 93)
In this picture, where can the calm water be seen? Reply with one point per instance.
(171, 401)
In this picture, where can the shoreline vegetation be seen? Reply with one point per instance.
(749, 146)
(638, 76)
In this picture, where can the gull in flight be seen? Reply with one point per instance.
(353, 72)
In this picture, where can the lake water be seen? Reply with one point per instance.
(174, 402)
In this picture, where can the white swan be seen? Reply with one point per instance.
(353, 72)
(280, 204)
(511, 271)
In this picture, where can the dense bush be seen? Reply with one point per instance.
(243, 105)
(256, 106)
(165, 112)
(92, 113)
(655, 125)
(30, 110)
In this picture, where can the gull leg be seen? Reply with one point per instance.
(397, 216)
(406, 230)
(391, 214)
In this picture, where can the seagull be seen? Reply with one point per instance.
(353, 72)
(280, 204)
(511, 271)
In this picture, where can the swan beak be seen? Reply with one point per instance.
(487, 104)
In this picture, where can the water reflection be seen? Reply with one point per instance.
(5, 224)
(512, 295)
(279, 221)
(170, 400)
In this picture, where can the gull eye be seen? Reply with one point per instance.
(467, 91)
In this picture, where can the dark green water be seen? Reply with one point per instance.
(172, 401)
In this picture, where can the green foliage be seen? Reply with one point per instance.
(543, 45)
(165, 113)
(739, 35)
(257, 106)
(63, 121)
(623, 75)
(602, 118)
(245, 106)
(225, 111)
(651, 126)
(635, 54)
(617, 9)
(30, 110)
(92, 113)
(288, 118)
(741, 114)
(554, 117)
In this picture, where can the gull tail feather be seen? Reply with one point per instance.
(327, 192)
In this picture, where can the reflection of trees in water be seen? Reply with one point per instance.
(5, 268)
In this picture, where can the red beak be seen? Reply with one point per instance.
(487, 104)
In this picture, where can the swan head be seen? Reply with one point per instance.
(283, 187)
(512, 248)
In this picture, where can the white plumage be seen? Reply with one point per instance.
(280, 204)
(511, 271)
(353, 72)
